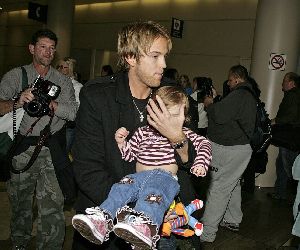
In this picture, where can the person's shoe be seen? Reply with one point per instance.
(137, 230)
(230, 226)
(94, 226)
(275, 196)
(207, 240)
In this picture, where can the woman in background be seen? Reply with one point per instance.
(67, 67)
(186, 84)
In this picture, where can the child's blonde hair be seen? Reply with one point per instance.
(173, 95)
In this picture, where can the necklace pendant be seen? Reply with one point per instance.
(141, 117)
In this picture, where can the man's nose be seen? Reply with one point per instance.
(163, 63)
(49, 50)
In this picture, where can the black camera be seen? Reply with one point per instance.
(204, 87)
(44, 91)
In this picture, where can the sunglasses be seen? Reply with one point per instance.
(62, 67)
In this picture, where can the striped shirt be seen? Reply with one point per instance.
(150, 148)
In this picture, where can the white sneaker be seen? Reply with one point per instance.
(94, 226)
(136, 230)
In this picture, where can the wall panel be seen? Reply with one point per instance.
(217, 34)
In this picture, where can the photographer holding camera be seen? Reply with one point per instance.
(204, 88)
(48, 102)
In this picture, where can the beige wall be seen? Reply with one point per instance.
(217, 34)
(15, 36)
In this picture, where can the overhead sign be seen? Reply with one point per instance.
(177, 28)
(277, 61)
(37, 12)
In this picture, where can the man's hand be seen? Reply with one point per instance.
(7, 105)
(167, 125)
(53, 105)
(208, 100)
(25, 97)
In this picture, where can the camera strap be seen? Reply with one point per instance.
(44, 135)
(14, 113)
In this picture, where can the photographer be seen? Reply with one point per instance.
(204, 88)
(51, 102)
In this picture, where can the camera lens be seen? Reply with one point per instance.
(33, 108)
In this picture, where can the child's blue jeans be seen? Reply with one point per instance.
(152, 190)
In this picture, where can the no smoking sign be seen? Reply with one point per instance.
(277, 61)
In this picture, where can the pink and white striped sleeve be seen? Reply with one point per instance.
(203, 150)
(130, 151)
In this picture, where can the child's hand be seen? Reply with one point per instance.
(198, 171)
(121, 135)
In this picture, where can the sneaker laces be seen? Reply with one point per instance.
(137, 220)
(95, 212)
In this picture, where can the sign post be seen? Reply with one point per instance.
(177, 28)
(37, 12)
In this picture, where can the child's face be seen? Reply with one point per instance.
(175, 110)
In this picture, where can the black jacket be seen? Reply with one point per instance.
(229, 119)
(106, 105)
(289, 108)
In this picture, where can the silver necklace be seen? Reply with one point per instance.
(141, 113)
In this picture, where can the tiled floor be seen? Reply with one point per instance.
(266, 225)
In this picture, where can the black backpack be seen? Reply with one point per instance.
(261, 138)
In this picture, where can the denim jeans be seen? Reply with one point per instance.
(153, 191)
(284, 164)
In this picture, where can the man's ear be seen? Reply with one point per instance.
(31, 48)
(131, 61)
(292, 84)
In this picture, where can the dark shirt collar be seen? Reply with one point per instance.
(123, 91)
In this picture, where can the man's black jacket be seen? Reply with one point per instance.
(106, 105)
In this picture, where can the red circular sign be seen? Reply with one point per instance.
(277, 61)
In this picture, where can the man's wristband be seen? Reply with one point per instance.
(180, 144)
